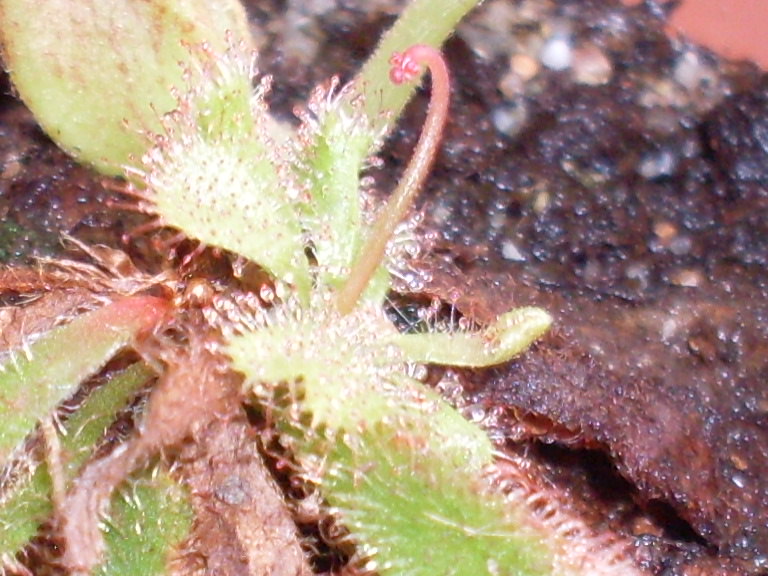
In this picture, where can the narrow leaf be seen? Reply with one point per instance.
(35, 380)
(510, 335)
(29, 501)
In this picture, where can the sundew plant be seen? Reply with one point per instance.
(166, 94)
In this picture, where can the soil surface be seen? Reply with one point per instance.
(591, 166)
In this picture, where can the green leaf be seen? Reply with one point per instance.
(98, 73)
(148, 519)
(403, 469)
(35, 380)
(217, 175)
(28, 501)
(419, 511)
(511, 334)
(332, 151)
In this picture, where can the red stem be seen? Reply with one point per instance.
(405, 68)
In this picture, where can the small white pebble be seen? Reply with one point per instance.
(441, 214)
(681, 245)
(692, 73)
(511, 252)
(687, 69)
(657, 164)
(541, 202)
(313, 7)
(498, 220)
(509, 120)
(511, 85)
(687, 278)
(668, 329)
(557, 53)
(739, 480)
(639, 273)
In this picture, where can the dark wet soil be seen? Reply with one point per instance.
(658, 280)
(635, 209)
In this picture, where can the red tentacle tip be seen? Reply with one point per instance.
(404, 67)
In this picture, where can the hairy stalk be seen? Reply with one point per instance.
(405, 68)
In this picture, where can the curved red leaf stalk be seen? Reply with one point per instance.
(406, 67)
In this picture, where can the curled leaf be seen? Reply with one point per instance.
(511, 334)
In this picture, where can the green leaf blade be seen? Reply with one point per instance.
(98, 74)
(29, 500)
(147, 522)
(416, 512)
(32, 383)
